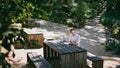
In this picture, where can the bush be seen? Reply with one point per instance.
(107, 20)
(113, 45)
(116, 31)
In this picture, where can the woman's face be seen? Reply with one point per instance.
(73, 32)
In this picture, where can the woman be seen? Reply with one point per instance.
(74, 38)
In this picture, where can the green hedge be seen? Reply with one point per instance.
(113, 45)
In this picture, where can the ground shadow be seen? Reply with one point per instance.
(118, 66)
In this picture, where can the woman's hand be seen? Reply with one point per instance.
(73, 43)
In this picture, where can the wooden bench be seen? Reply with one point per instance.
(37, 61)
(96, 61)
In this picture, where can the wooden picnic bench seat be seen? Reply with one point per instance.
(97, 62)
(37, 61)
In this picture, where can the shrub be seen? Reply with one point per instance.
(113, 45)
(107, 20)
(116, 31)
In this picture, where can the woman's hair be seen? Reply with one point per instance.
(72, 30)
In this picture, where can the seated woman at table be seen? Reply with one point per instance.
(74, 38)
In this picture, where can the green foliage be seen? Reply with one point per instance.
(113, 45)
(108, 20)
(0, 25)
(116, 30)
(13, 11)
(60, 11)
(70, 12)
(111, 17)
(112, 14)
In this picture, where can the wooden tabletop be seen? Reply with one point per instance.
(62, 48)
(32, 31)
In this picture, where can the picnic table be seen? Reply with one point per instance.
(68, 56)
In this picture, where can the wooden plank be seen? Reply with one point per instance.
(48, 52)
(59, 47)
(63, 64)
(36, 60)
(55, 47)
(44, 51)
(94, 64)
(67, 60)
(73, 49)
(72, 62)
(53, 55)
(80, 60)
(66, 50)
(84, 59)
(76, 60)
(101, 64)
(28, 58)
(51, 52)
(67, 47)
(31, 59)
(45, 62)
(97, 64)
(39, 61)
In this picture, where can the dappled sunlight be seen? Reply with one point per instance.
(111, 62)
(91, 35)
(83, 38)
(84, 32)
(52, 31)
(92, 39)
(42, 22)
(101, 30)
(88, 27)
(22, 53)
(102, 40)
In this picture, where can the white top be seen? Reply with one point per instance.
(75, 38)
